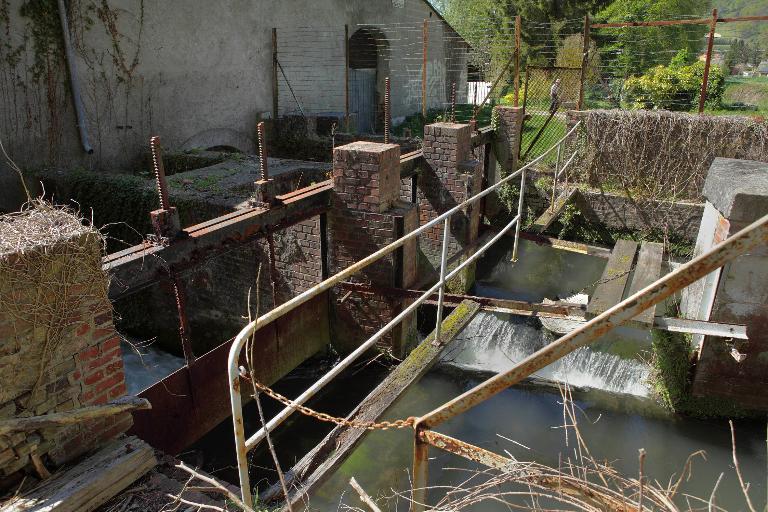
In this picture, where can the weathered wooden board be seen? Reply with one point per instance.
(610, 291)
(647, 270)
(551, 214)
(318, 464)
(92, 482)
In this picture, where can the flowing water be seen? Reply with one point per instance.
(617, 415)
(146, 365)
(614, 427)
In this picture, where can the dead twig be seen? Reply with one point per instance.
(744, 487)
(364, 497)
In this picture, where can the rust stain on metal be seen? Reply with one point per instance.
(159, 169)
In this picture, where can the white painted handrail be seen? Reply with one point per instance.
(241, 444)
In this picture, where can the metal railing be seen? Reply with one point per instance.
(244, 445)
(742, 242)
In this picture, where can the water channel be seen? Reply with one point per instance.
(618, 414)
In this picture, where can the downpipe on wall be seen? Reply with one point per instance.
(73, 83)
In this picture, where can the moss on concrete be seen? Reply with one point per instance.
(671, 379)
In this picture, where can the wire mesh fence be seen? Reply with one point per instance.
(548, 92)
(442, 72)
(649, 67)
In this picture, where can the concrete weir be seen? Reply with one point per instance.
(737, 195)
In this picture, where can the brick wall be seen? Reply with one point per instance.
(58, 348)
(366, 215)
(452, 175)
(507, 139)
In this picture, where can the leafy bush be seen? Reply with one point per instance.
(673, 87)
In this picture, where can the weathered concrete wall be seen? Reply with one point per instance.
(197, 73)
(58, 346)
(737, 194)
(367, 215)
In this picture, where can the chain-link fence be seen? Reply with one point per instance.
(548, 92)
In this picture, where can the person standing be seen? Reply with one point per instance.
(554, 96)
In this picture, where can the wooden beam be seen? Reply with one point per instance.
(318, 464)
(92, 482)
(58, 419)
(647, 271)
(610, 291)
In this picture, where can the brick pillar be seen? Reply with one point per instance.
(366, 215)
(452, 176)
(510, 124)
(737, 195)
(58, 347)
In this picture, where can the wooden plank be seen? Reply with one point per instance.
(57, 419)
(92, 482)
(647, 270)
(320, 463)
(551, 214)
(614, 279)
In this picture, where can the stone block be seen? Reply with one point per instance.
(738, 188)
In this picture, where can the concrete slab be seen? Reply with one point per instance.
(738, 188)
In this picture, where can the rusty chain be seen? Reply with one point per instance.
(342, 422)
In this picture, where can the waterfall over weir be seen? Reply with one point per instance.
(494, 342)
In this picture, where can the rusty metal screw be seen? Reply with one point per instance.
(262, 152)
(159, 169)
(387, 113)
(453, 102)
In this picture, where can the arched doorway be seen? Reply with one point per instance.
(368, 65)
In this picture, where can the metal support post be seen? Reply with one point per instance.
(584, 62)
(453, 102)
(387, 111)
(708, 62)
(424, 46)
(420, 473)
(275, 89)
(520, 203)
(518, 29)
(554, 179)
(346, 78)
(443, 264)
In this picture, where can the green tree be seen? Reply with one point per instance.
(634, 50)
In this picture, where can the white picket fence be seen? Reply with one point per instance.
(477, 91)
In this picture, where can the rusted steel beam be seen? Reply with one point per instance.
(665, 23)
(410, 163)
(754, 235)
(462, 449)
(517, 306)
(142, 265)
(708, 62)
(192, 400)
(482, 136)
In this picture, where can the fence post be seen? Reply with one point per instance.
(275, 90)
(518, 28)
(346, 78)
(424, 45)
(443, 264)
(420, 473)
(520, 203)
(708, 62)
(584, 62)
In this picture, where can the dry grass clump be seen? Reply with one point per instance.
(663, 155)
(39, 224)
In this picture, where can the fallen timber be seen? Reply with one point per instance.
(318, 464)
